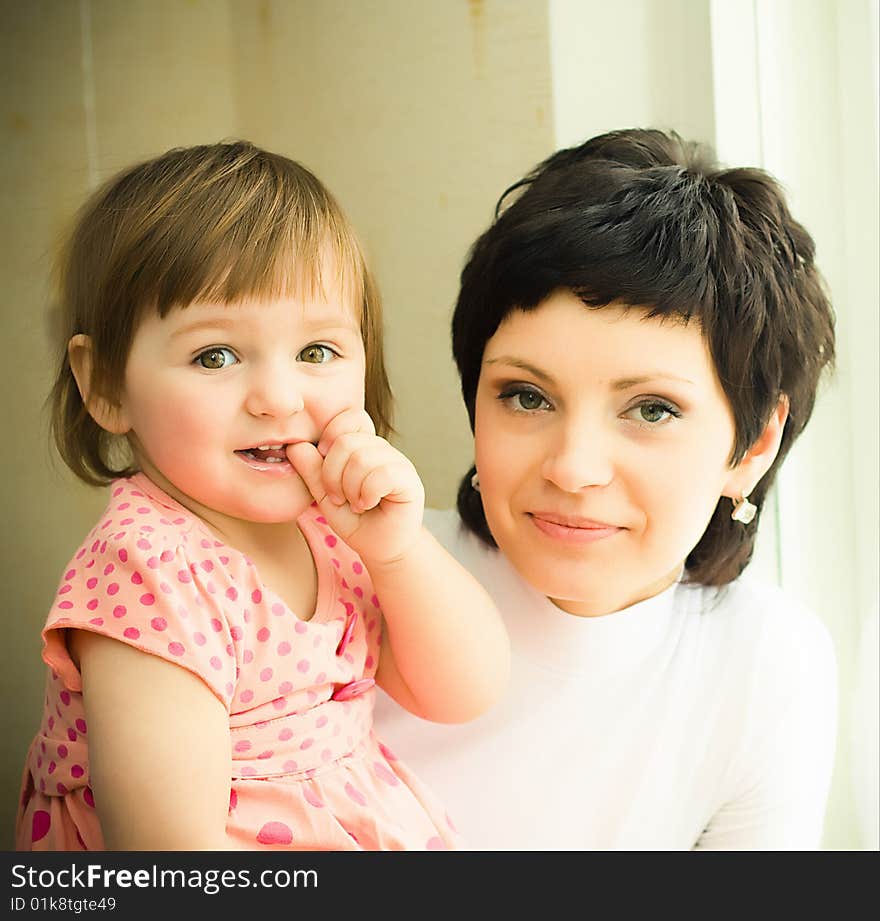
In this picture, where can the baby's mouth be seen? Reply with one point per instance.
(267, 454)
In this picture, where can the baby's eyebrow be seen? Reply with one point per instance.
(332, 326)
(208, 323)
(225, 322)
(336, 319)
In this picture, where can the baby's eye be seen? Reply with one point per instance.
(317, 354)
(654, 412)
(524, 399)
(215, 358)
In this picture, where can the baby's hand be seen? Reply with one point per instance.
(370, 494)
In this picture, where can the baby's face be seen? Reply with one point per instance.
(214, 392)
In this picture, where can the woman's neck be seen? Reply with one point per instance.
(600, 607)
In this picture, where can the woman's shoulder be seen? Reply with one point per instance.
(776, 627)
(752, 597)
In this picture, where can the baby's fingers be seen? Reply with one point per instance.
(308, 463)
(386, 482)
(348, 421)
(373, 475)
(346, 454)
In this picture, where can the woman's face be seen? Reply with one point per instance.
(602, 445)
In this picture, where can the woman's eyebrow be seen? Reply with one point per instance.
(523, 366)
(625, 383)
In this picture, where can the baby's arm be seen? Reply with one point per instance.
(445, 654)
(159, 749)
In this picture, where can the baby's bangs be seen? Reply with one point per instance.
(300, 265)
(269, 236)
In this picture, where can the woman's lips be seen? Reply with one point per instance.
(572, 529)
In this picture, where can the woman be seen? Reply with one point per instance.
(639, 335)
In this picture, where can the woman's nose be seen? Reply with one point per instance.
(579, 457)
(274, 391)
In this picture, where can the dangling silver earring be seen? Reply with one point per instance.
(743, 510)
(475, 482)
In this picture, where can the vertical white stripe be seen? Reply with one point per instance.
(759, 108)
(735, 82)
(874, 32)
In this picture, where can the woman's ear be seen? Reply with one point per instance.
(760, 456)
(110, 416)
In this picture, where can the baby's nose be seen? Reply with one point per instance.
(274, 394)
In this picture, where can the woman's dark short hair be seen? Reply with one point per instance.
(643, 218)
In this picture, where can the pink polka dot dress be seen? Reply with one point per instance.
(307, 771)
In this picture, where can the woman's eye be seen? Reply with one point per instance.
(524, 400)
(653, 412)
(316, 354)
(216, 358)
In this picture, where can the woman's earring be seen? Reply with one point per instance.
(743, 510)
(475, 482)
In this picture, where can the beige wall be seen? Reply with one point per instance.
(415, 114)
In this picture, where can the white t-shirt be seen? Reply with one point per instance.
(698, 718)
